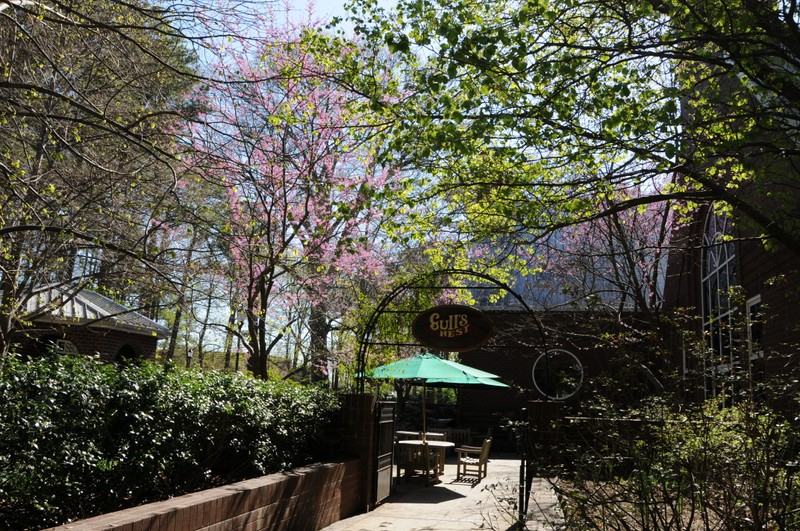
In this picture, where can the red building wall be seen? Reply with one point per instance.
(108, 343)
(771, 274)
(511, 355)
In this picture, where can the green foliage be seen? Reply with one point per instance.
(91, 161)
(708, 468)
(79, 437)
(542, 114)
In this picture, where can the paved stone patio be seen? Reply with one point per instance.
(461, 505)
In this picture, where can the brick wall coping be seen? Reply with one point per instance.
(308, 497)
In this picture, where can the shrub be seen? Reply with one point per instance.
(79, 437)
(714, 468)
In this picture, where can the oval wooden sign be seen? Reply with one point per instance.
(452, 328)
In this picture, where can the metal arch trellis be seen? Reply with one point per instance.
(417, 283)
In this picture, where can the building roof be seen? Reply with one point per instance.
(62, 305)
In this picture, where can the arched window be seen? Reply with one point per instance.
(718, 311)
(127, 355)
(558, 374)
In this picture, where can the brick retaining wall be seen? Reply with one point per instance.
(307, 498)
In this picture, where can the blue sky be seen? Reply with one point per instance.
(332, 8)
(324, 8)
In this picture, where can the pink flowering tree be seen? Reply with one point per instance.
(617, 260)
(293, 153)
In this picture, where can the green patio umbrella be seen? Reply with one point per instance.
(462, 381)
(472, 377)
(428, 366)
(472, 371)
(428, 369)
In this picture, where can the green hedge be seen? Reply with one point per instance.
(79, 437)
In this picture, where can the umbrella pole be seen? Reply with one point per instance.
(424, 427)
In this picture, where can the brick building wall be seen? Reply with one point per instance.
(771, 274)
(510, 355)
(109, 343)
(357, 434)
(518, 343)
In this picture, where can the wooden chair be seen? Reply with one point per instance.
(409, 459)
(458, 436)
(472, 460)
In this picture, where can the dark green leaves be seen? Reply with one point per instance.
(397, 43)
(81, 437)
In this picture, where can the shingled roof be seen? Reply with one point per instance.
(63, 305)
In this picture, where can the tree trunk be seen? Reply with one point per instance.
(256, 327)
(176, 324)
(8, 294)
(229, 339)
(319, 328)
(173, 338)
(203, 329)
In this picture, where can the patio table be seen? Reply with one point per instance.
(431, 435)
(437, 447)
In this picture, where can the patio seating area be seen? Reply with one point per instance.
(424, 455)
(456, 505)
